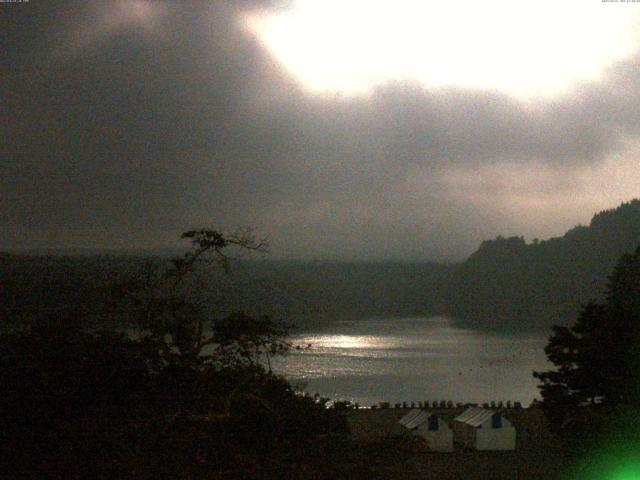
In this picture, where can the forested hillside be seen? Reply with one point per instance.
(509, 284)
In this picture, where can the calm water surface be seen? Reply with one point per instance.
(414, 359)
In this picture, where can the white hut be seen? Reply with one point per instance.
(483, 429)
(435, 431)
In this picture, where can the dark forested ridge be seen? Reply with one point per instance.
(507, 284)
(301, 292)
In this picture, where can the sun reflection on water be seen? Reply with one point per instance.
(348, 341)
(400, 359)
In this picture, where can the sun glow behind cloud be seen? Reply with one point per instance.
(526, 49)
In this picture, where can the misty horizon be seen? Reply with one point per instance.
(178, 247)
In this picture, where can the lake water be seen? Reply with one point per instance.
(414, 359)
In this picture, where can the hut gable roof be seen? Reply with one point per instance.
(414, 419)
(475, 417)
(418, 418)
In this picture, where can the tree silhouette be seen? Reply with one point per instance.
(597, 358)
(172, 323)
(189, 395)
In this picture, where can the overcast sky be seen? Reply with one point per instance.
(389, 129)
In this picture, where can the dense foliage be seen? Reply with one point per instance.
(597, 358)
(186, 394)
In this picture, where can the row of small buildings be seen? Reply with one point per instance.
(475, 428)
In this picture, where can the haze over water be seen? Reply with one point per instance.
(414, 359)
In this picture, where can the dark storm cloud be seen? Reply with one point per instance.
(125, 133)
